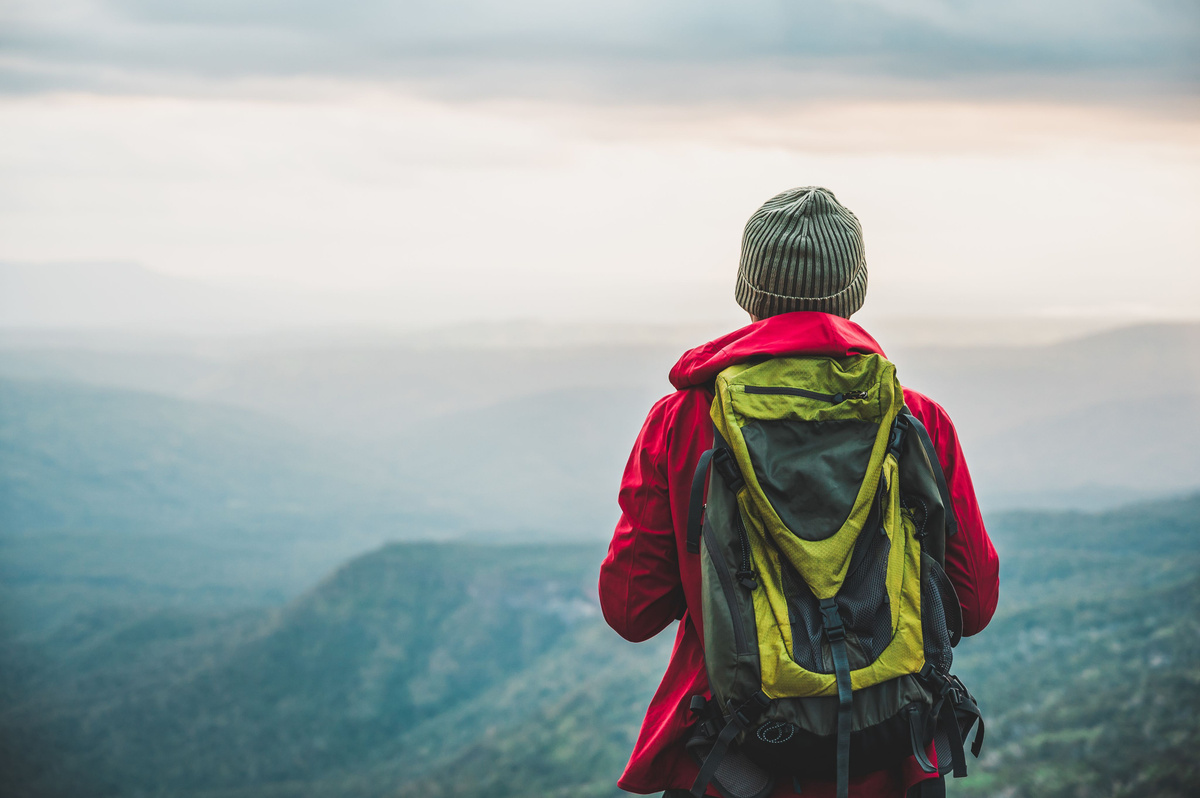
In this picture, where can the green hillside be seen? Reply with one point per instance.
(392, 643)
(1090, 673)
(456, 669)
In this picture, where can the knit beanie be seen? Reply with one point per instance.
(802, 250)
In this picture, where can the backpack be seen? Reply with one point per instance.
(828, 620)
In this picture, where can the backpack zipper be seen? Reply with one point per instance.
(746, 575)
(831, 398)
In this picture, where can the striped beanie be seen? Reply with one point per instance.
(802, 250)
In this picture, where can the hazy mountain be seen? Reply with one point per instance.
(443, 670)
(369, 390)
(1089, 422)
(544, 466)
(1097, 419)
(998, 387)
(229, 477)
(143, 497)
(168, 502)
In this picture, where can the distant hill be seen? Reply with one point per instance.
(1088, 423)
(232, 478)
(1103, 414)
(146, 498)
(452, 669)
(378, 389)
(547, 466)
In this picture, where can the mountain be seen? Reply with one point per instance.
(145, 498)
(544, 466)
(451, 669)
(238, 476)
(169, 505)
(1088, 672)
(1086, 423)
(396, 660)
(148, 498)
(360, 390)
(1104, 414)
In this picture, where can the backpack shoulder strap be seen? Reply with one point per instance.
(696, 502)
(720, 458)
(939, 474)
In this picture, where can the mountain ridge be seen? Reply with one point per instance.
(356, 687)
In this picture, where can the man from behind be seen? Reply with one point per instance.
(802, 274)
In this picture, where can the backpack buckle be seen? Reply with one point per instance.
(832, 620)
(896, 441)
(724, 463)
(745, 715)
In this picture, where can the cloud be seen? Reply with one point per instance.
(623, 50)
(431, 212)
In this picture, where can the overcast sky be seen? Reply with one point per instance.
(569, 160)
(619, 49)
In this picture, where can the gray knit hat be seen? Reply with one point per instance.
(802, 250)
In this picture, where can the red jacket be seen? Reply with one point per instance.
(649, 580)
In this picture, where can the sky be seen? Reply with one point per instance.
(475, 160)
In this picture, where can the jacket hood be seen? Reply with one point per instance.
(799, 333)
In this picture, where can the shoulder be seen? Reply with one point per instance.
(937, 423)
(671, 426)
(932, 415)
(921, 405)
(678, 405)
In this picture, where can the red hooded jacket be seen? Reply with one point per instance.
(649, 580)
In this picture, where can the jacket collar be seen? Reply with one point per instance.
(799, 333)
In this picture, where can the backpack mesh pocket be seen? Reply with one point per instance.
(863, 604)
(941, 618)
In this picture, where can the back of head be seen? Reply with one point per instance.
(802, 250)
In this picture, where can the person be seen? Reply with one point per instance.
(802, 274)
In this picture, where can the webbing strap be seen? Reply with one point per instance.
(977, 743)
(836, 633)
(943, 489)
(968, 705)
(740, 719)
(948, 720)
(916, 738)
(713, 760)
(696, 502)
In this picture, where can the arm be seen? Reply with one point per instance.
(640, 588)
(971, 560)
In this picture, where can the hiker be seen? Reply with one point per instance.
(802, 274)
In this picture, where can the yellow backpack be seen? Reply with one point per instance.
(828, 619)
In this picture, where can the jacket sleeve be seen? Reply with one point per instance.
(971, 560)
(640, 588)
